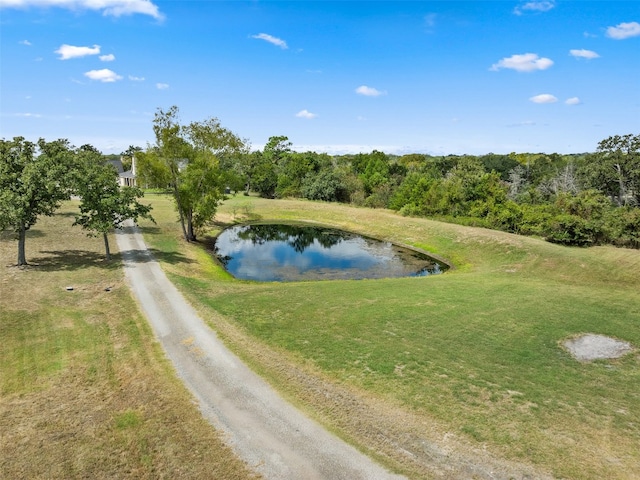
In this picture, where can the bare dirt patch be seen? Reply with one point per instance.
(589, 347)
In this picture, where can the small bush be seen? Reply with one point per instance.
(507, 217)
(573, 230)
(411, 210)
(625, 227)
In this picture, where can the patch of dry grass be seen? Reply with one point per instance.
(85, 391)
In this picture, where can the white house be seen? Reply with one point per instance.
(125, 178)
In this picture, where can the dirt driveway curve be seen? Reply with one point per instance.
(267, 432)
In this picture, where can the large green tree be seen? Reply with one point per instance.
(187, 158)
(326, 185)
(615, 168)
(294, 169)
(277, 148)
(372, 168)
(248, 167)
(104, 204)
(34, 181)
(266, 165)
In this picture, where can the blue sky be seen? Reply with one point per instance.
(443, 77)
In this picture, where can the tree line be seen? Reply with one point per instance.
(35, 178)
(579, 199)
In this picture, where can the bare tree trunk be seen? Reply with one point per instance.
(183, 224)
(622, 194)
(180, 213)
(106, 246)
(190, 231)
(22, 259)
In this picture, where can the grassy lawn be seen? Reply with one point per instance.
(85, 391)
(472, 356)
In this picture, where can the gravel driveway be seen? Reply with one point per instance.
(268, 433)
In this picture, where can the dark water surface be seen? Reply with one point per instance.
(286, 253)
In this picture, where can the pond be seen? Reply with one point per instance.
(287, 253)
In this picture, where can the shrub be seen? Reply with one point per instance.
(535, 219)
(507, 217)
(569, 229)
(624, 224)
(326, 186)
(411, 210)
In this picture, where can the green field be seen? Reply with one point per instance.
(85, 391)
(473, 355)
(469, 361)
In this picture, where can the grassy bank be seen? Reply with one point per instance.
(85, 391)
(472, 357)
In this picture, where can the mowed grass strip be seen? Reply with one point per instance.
(474, 354)
(85, 391)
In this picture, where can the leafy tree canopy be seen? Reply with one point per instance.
(104, 204)
(187, 159)
(615, 168)
(34, 179)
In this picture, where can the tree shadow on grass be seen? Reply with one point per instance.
(151, 254)
(10, 235)
(66, 214)
(148, 229)
(71, 260)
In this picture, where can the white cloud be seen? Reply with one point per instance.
(28, 115)
(24, 42)
(527, 62)
(271, 39)
(624, 30)
(114, 8)
(573, 101)
(534, 6)
(544, 98)
(69, 51)
(105, 75)
(526, 123)
(430, 20)
(369, 91)
(306, 114)
(107, 58)
(136, 79)
(162, 86)
(582, 53)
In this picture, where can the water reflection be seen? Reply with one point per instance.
(270, 252)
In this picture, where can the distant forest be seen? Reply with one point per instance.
(578, 199)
